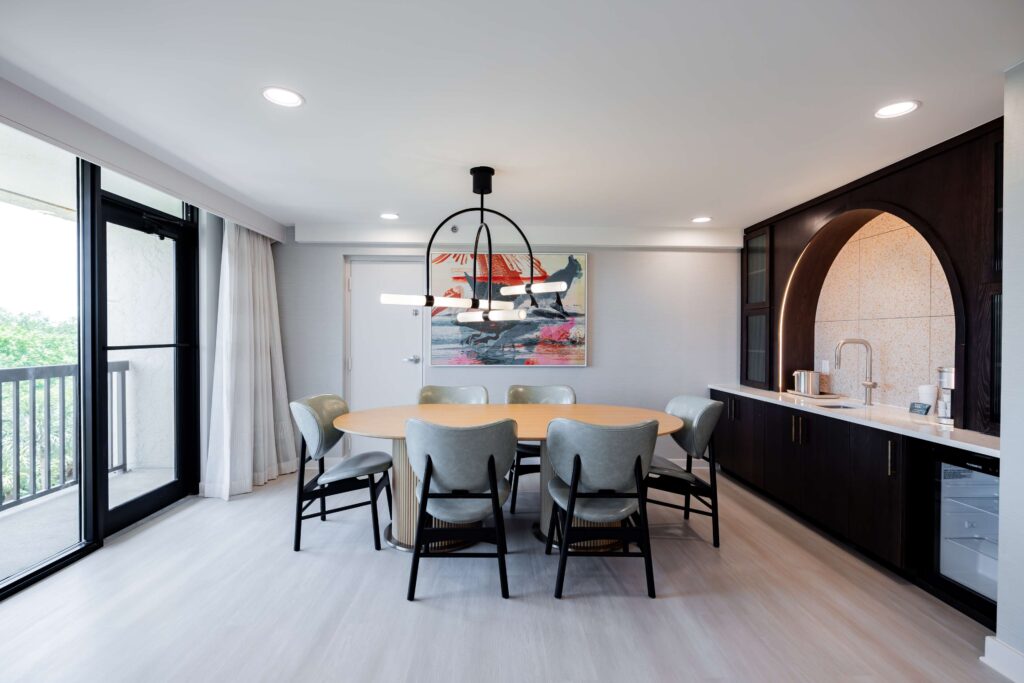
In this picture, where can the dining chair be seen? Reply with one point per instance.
(432, 393)
(598, 478)
(522, 393)
(462, 474)
(699, 416)
(315, 417)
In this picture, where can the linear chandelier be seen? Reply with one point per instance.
(486, 309)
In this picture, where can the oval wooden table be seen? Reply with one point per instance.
(532, 425)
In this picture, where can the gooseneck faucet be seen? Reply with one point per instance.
(868, 384)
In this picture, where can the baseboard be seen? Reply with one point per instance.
(1005, 659)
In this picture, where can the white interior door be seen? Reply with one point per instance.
(385, 360)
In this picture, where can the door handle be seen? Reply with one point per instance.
(889, 444)
(792, 428)
(411, 359)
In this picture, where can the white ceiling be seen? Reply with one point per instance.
(596, 113)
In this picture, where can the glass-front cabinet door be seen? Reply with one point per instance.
(755, 332)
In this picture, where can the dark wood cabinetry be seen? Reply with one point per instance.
(845, 478)
(876, 493)
(950, 194)
(755, 329)
(738, 438)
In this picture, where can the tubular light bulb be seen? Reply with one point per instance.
(537, 288)
(442, 301)
(404, 299)
(484, 316)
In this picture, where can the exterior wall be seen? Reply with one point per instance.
(886, 286)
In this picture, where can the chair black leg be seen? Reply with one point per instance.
(714, 506)
(551, 528)
(387, 492)
(323, 499)
(300, 475)
(499, 527)
(563, 555)
(373, 512)
(625, 544)
(645, 532)
(515, 488)
(420, 522)
(686, 504)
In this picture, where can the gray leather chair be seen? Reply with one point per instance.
(437, 394)
(522, 393)
(315, 417)
(700, 416)
(599, 478)
(462, 473)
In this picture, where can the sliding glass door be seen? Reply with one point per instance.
(40, 464)
(150, 263)
(98, 355)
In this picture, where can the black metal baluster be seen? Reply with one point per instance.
(32, 427)
(49, 436)
(16, 398)
(63, 402)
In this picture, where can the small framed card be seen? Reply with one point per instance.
(920, 408)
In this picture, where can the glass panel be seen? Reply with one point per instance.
(757, 269)
(140, 422)
(112, 181)
(39, 444)
(969, 529)
(140, 288)
(757, 348)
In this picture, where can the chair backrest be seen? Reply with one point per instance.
(437, 394)
(549, 393)
(699, 416)
(607, 454)
(459, 455)
(315, 417)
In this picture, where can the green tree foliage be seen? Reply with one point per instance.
(28, 339)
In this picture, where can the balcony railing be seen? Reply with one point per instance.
(39, 435)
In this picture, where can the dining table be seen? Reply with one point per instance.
(531, 426)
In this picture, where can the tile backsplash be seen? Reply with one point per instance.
(885, 286)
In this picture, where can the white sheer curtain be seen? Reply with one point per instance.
(251, 436)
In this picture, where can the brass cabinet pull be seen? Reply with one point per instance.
(889, 443)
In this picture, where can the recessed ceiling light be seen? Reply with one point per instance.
(891, 111)
(283, 96)
(389, 216)
(701, 219)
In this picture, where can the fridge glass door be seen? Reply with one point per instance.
(969, 528)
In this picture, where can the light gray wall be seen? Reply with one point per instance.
(1011, 482)
(660, 323)
(310, 294)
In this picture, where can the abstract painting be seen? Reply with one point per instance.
(553, 333)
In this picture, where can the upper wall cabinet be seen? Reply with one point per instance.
(755, 332)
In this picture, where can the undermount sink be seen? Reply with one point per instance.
(837, 406)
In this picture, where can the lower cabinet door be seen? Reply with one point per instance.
(825, 452)
(783, 471)
(876, 493)
(748, 440)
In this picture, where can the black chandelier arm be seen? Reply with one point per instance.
(481, 209)
(490, 259)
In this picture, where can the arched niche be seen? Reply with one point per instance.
(799, 305)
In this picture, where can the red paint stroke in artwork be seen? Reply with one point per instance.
(453, 292)
(509, 269)
(461, 359)
(557, 333)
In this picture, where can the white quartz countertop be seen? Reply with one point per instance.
(889, 418)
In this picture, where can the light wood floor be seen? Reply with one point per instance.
(211, 591)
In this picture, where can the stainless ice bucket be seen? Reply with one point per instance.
(807, 382)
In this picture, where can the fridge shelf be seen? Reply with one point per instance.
(987, 504)
(984, 546)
